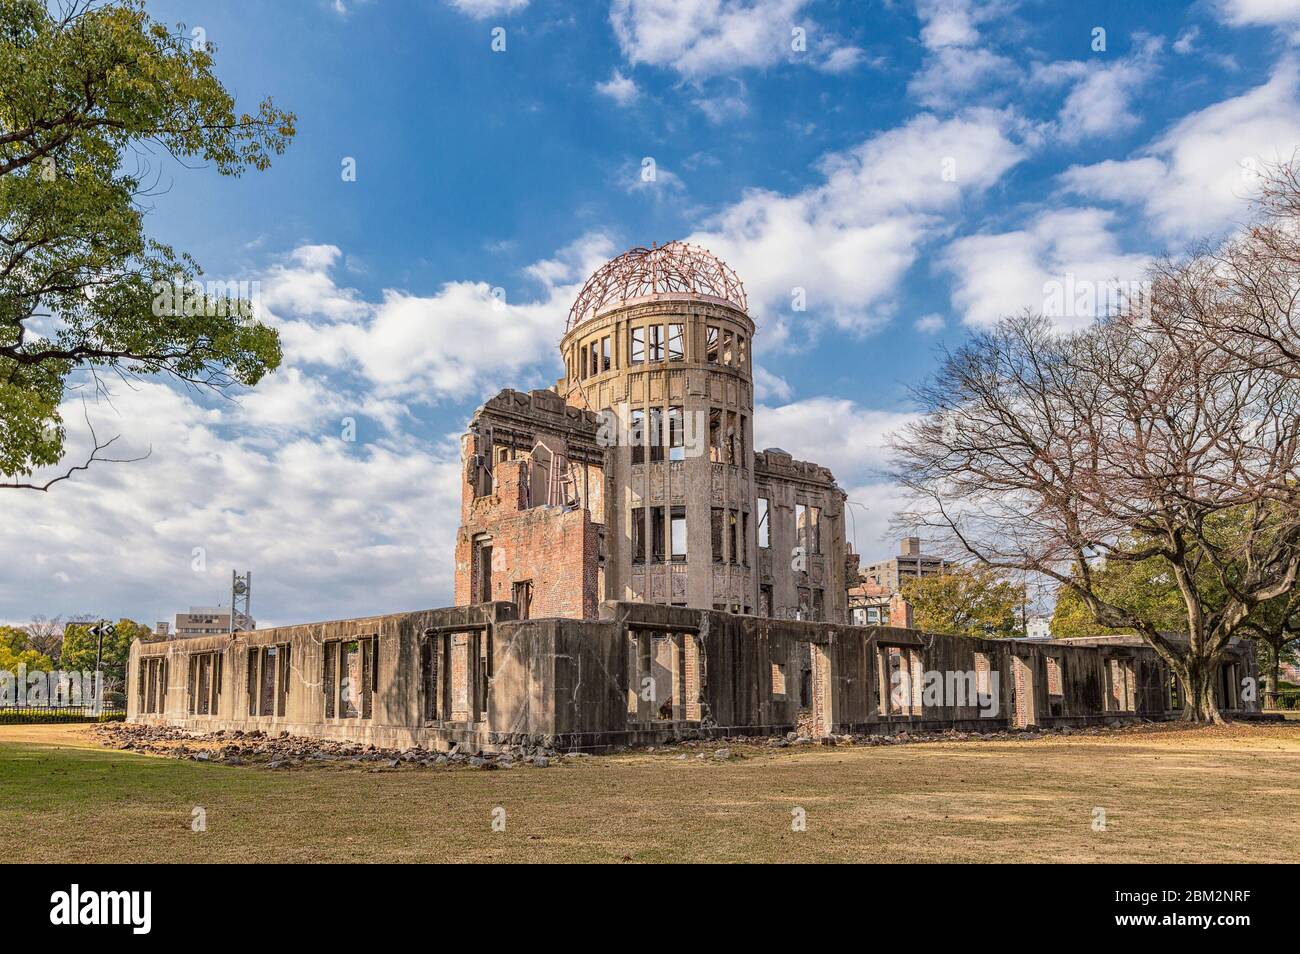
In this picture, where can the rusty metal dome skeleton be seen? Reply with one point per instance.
(646, 273)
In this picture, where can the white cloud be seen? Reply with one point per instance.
(1186, 41)
(769, 386)
(1281, 14)
(948, 23)
(461, 341)
(848, 242)
(724, 107)
(700, 38)
(1196, 178)
(1050, 266)
(835, 432)
(621, 89)
(842, 59)
(331, 529)
(480, 9)
(635, 178)
(953, 71)
(336, 521)
(870, 512)
(929, 324)
(1101, 103)
(954, 66)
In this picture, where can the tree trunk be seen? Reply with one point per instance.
(1275, 674)
(1196, 682)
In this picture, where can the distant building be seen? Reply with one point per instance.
(1039, 627)
(871, 604)
(209, 621)
(910, 562)
(877, 598)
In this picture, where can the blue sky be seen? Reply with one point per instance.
(916, 169)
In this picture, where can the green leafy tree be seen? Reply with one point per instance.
(88, 91)
(80, 648)
(1147, 588)
(966, 601)
(15, 650)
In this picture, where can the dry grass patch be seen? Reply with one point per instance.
(1171, 794)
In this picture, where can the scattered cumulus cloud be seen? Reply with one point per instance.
(416, 347)
(1195, 179)
(1186, 42)
(1101, 102)
(1063, 263)
(838, 433)
(621, 89)
(1283, 15)
(769, 386)
(876, 204)
(331, 528)
(701, 38)
(954, 66)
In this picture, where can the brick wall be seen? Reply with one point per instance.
(555, 549)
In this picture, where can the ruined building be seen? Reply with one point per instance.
(636, 478)
(629, 570)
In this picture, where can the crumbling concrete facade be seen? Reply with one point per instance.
(629, 570)
(650, 432)
(481, 677)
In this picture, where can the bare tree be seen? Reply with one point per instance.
(1244, 291)
(45, 635)
(1126, 441)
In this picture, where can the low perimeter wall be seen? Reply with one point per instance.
(479, 677)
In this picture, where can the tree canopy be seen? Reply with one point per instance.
(80, 648)
(966, 601)
(1154, 436)
(16, 650)
(92, 92)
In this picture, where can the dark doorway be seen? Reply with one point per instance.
(484, 593)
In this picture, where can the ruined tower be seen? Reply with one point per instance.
(659, 342)
(636, 477)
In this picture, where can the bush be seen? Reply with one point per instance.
(40, 715)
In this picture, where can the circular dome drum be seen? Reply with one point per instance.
(676, 269)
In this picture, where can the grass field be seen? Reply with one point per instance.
(1220, 794)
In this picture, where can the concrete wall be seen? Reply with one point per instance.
(644, 673)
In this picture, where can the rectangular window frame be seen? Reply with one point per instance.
(676, 342)
(335, 674)
(655, 342)
(637, 434)
(676, 432)
(638, 535)
(656, 434)
(677, 535)
(658, 535)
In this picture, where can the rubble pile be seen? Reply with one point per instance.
(236, 747)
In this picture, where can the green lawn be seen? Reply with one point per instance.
(1168, 795)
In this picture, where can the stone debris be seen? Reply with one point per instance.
(284, 751)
